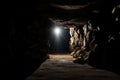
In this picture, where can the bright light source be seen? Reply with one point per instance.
(57, 31)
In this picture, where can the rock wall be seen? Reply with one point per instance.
(82, 40)
(106, 54)
(24, 43)
(98, 40)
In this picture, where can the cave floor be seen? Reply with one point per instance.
(61, 67)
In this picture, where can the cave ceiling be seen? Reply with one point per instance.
(77, 12)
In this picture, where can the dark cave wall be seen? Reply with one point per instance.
(24, 38)
(97, 42)
(28, 44)
(106, 54)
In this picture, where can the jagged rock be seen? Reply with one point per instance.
(82, 40)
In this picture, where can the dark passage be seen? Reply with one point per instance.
(60, 43)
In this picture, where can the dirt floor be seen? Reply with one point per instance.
(61, 67)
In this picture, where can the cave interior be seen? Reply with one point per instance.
(89, 31)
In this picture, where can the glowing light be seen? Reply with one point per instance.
(57, 31)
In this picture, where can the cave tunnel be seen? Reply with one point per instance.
(59, 40)
(85, 45)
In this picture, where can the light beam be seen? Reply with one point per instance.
(57, 31)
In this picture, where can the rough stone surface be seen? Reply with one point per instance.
(82, 40)
(61, 67)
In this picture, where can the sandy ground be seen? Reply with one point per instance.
(61, 67)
